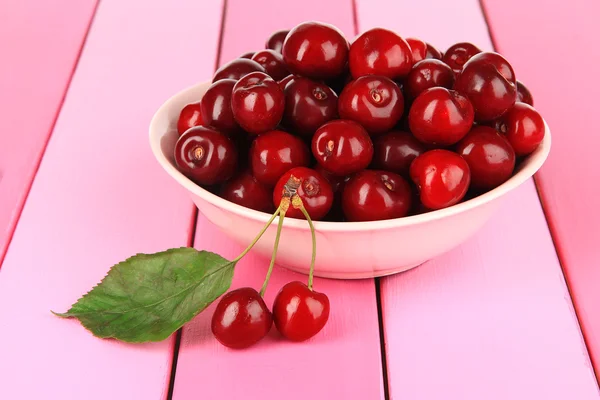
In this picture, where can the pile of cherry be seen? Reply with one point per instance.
(379, 128)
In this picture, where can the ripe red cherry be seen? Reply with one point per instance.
(395, 151)
(376, 102)
(300, 313)
(488, 80)
(440, 116)
(523, 94)
(191, 115)
(427, 74)
(342, 147)
(490, 157)
(373, 195)
(432, 52)
(283, 82)
(274, 153)
(315, 50)
(458, 54)
(314, 190)
(257, 103)
(241, 319)
(308, 105)
(272, 62)
(246, 191)
(275, 41)
(248, 55)
(216, 106)
(442, 177)
(205, 155)
(237, 69)
(380, 52)
(524, 128)
(418, 49)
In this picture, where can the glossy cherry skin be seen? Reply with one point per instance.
(257, 103)
(523, 127)
(308, 105)
(376, 102)
(440, 117)
(315, 50)
(380, 52)
(432, 52)
(272, 62)
(275, 41)
(216, 106)
(373, 195)
(274, 153)
(458, 54)
(395, 151)
(425, 75)
(342, 147)
(488, 80)
(248, 55)
(490, 157)
(241, 319)
(246, 191)
(191, 115)
(523, 94)
(283, 82)
(442, 177)
(313, 188)
(205, 155)
(418, 49)
(237, 69)
(336, 182)
(300, 313)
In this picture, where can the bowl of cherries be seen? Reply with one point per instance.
(396, 151)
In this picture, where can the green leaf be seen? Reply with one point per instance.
(149, 296)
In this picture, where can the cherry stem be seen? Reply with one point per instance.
(275, 247)
(264, 229)
(300, 206)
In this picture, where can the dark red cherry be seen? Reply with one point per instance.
(315, 50)
(524, 128)
(216, 106)
(432, 52)
(442, 177)
(257, 103)
(205, 156)
(523, 94)
(191, 115)
(241, 319)
(373, 195)
(380, 52)
(441, 117)
(395, 151)
(248, 55)
(314, 190)
(458, 54)
(425, 75)
(490, 157)
(308, 105)
(488, 80)
(246, 191)
(274, 153)
(376, 102)
(299, 313)
(418, 49)
(336, 182)
(237, 69)
(342, 147)
(275, 41)
(272, 62)
(283, 82)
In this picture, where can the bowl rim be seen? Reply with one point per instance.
(536, 160)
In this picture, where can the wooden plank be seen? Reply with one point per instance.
(567, 182)
(343, 362)
(99, 197)
(492, 319)
(40, 48)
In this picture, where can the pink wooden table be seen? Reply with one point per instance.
(514, 313)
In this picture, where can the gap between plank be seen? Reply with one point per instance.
(386, 388)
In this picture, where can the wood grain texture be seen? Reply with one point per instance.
(40, 43)
(98, 198)
(493, 318)
(343, 361)
(568, 182)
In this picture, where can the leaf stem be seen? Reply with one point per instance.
(298, 204)
(256, 239)
(275, 247)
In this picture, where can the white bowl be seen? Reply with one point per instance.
(345, 250)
